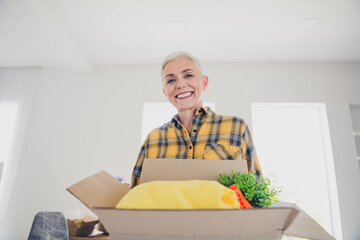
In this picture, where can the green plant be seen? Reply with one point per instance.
(255, 188)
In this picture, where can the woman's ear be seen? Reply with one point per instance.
(205, 82)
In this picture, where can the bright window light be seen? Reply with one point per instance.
(8, 113)
(293, 146)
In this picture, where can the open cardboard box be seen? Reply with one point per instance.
(101, 192)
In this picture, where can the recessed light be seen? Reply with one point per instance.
(308, 24)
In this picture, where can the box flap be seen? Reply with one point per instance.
(196, 224)
(101, 190)
(188, 169)
(303, 225)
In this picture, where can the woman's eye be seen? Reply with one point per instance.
(188, 75)
(170, 80)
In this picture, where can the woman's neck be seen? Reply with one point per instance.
(186, 118)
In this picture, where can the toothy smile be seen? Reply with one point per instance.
(184, 95)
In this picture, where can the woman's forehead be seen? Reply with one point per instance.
(179, 65)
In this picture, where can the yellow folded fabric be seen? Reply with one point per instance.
(193, 194)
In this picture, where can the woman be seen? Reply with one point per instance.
(196, 132)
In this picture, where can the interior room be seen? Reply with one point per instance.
(75, 75)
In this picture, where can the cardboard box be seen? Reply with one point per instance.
(85, 229)
(101, 192)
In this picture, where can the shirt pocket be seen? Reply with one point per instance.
(222, 152)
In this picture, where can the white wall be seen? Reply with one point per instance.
(85, 122)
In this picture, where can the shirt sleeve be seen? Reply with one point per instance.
(138, 165)
(250, 153)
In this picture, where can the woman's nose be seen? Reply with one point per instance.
(180, 83)
(179, 86)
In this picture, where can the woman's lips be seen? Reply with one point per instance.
(184, 95)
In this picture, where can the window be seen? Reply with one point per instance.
(156, 114)
(355, 117)
(294, 149)
(8, 114)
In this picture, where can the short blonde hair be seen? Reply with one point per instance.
(179, 54)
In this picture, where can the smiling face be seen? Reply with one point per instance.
(183, 84)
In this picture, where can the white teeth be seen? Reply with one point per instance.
(184, 95)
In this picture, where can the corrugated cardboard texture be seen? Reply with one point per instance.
(225, 224)
(100, 189)
(188, 169)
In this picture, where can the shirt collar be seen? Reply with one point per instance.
(202, 112)
(205, 111)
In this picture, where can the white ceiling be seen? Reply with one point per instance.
(87, 33)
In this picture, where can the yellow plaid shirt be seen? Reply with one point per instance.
(212, 136)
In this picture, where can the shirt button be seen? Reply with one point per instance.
(190, 147)
(194, 130)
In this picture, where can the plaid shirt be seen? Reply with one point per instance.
(212, 136)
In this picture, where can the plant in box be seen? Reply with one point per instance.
(255, 189)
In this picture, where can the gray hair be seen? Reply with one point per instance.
(179, 54)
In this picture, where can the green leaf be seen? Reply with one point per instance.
(254, 188)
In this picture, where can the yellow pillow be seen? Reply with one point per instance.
(193, 194)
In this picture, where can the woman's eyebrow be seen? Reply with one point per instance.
(170, 75)
(187, 70)
(183, 71)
